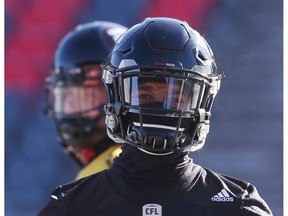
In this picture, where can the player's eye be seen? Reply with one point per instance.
(145, 98)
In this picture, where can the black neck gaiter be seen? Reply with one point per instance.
(136, 165)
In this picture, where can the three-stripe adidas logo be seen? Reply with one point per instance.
(222, 196)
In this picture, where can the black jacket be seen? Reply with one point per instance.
(139, 184)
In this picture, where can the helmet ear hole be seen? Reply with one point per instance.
(209, 103)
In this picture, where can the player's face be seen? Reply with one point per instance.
(165, 93)
(155, 92)
(82, 98)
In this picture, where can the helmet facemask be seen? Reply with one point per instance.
(159, 109)
(75, 102)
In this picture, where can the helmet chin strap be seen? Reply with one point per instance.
(157, 154)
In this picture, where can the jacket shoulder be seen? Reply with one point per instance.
(66, 196)
(222, 189)
(101, 162)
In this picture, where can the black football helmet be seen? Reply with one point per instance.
(161, 80)
(76, 71)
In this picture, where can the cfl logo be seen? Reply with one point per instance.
(152, 210)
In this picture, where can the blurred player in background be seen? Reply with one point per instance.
(76, 95)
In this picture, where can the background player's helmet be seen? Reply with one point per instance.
(77, 65)
(161, 81)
